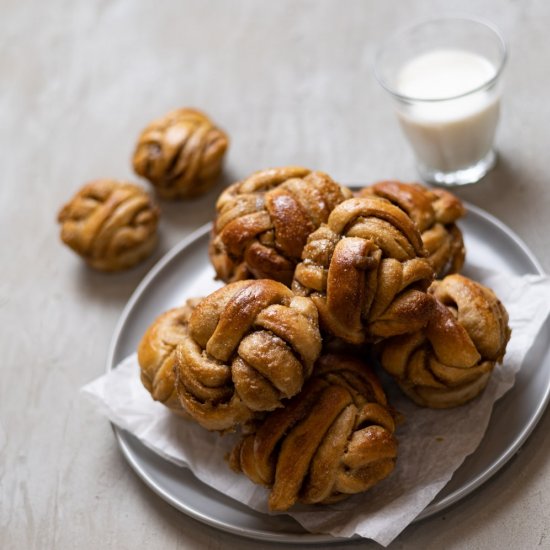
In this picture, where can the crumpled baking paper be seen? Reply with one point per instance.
(432, 443)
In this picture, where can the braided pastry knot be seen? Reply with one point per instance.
(435, 212)
(263, 222)
(111, 224)
(332, 440)
(366, 272)
(450, 362)
(157, 354)
(181, 154)
(249, 345)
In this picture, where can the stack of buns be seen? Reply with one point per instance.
(320, 283)
(317, 281)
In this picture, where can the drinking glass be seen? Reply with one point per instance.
(444, 76)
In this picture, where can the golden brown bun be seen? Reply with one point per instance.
(332, 440)
(263, 222)
(435, 212)
(181, 154)
(157, 354)
(366, 271)
(450, 362)
(111, 224)
(249, 345)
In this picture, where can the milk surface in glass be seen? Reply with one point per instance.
(448, 134)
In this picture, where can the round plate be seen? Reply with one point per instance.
(186, 271)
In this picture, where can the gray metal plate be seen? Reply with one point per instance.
(185, 271)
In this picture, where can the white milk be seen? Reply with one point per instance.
(453, 134)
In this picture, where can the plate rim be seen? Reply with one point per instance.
(309, 538)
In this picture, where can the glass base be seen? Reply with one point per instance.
(465, 176)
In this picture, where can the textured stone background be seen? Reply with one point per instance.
(291, 81)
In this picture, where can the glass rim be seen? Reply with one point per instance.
(421, 22)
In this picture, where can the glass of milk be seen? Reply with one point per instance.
(444, 75)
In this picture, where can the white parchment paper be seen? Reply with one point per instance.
(432, 443)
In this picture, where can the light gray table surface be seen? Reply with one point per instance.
(292, 83)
